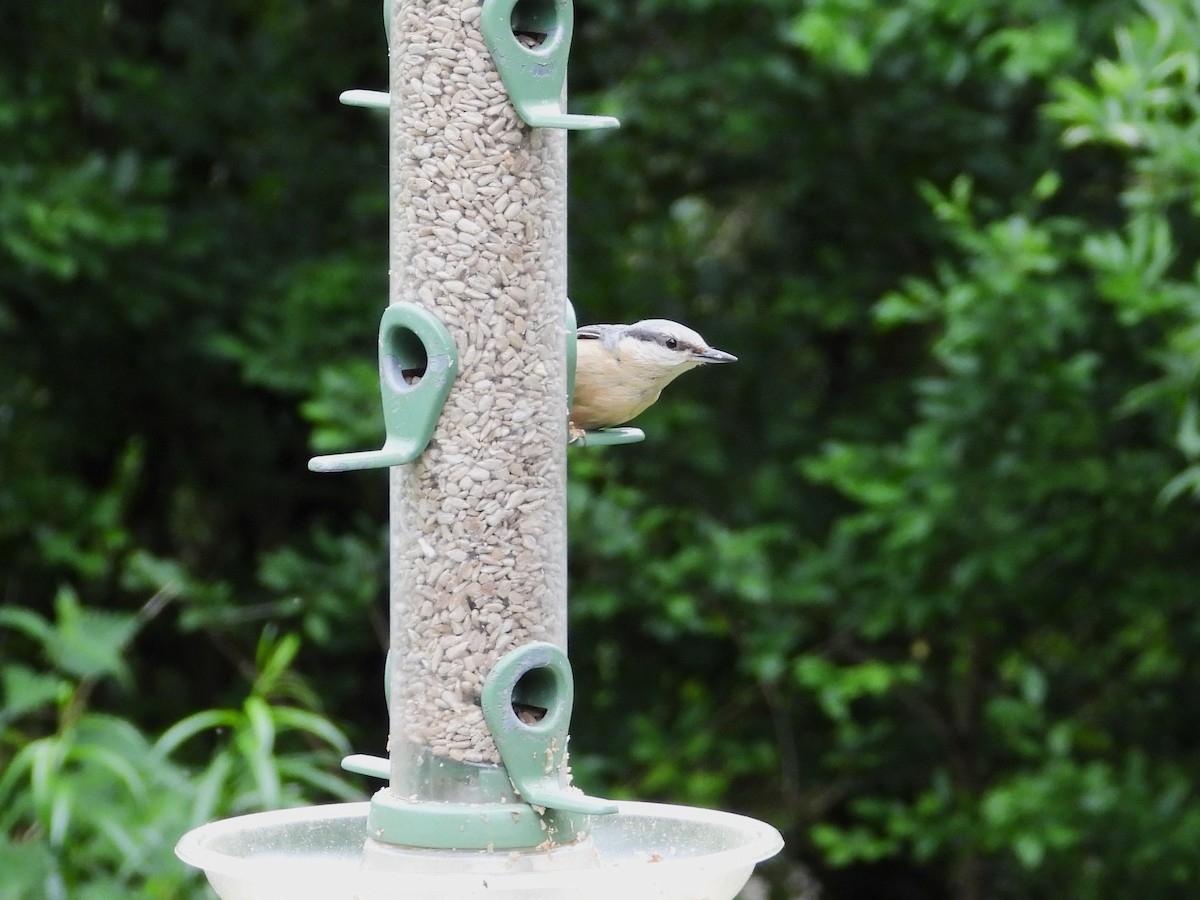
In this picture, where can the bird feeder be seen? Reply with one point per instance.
(475, 364)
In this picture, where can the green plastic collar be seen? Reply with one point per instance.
(467, 826)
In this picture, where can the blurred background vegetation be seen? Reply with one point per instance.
(916, 581)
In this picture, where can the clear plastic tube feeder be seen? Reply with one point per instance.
(474, 360)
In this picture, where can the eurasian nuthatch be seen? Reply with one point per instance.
(621, 369)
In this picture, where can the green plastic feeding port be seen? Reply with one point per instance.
(608, 437)
(373, 99)
(417, 365)
(530, 40)
(526, 700)
(367, 99)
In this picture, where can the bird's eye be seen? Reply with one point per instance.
(672, 343)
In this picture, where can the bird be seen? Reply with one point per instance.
(620, 370)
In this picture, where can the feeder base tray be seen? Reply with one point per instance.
(646, 851)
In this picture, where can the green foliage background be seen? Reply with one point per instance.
(916, 581)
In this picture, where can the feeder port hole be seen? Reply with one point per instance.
(535, 694)
(536, 23)
(405, 359)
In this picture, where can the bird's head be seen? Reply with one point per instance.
(667, 347)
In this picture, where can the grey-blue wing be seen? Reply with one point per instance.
(609, 335)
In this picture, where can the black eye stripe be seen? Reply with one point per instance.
(657, 337)
(641, 335)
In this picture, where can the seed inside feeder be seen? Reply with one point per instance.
(530, 715)
(531, 39)
(479, 520)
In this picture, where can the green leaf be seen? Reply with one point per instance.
(1188, 434)
(26, 690)
(190, 726)
(90, 643)
(310, 723)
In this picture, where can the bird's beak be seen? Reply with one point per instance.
(713, 355)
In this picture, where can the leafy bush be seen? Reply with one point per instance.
(92, 806)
